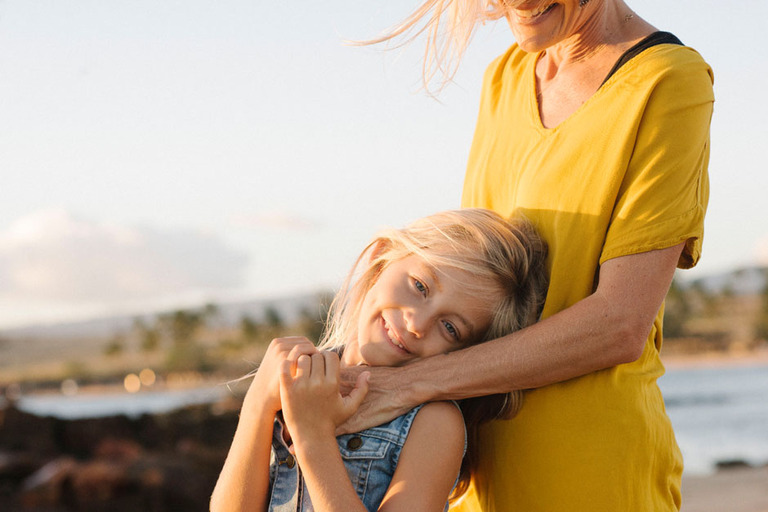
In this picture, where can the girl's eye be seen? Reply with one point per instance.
(420, 287)
(452, 330)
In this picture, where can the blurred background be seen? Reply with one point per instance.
(185, 180)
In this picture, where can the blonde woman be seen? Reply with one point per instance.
(448, 281)
(594, 125)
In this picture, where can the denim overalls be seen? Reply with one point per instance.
(370, 457)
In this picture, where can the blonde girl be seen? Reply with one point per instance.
(445, 282)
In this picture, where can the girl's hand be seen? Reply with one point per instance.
(312, 402)
(265, 386)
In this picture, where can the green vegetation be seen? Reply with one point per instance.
(116, 345)
(761, 332)
(725, 317)
(200, 340)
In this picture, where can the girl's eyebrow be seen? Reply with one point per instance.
(467, 325)
(433, 277)
(436, 280)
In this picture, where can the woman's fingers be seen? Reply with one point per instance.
(357, 395)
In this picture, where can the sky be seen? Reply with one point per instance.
(158, 154)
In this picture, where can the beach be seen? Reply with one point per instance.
(741, 489)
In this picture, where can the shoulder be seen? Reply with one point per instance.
(442, 424)
(440, 411)
(430, 460)
(679, 67)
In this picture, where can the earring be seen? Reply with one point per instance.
(582, 3)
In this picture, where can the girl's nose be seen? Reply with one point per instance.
(416, 322)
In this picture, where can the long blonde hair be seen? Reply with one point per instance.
(449, 26)
(506, 252)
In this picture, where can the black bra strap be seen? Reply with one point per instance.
(652, 40)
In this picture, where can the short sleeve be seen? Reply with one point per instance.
(663, 196)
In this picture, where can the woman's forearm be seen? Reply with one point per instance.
(577, 341)
(582, 339)
(608, 328)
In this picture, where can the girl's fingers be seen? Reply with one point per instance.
(331, 367)
(286, 373)
(301, 348)
(318, 366)
(303, 366)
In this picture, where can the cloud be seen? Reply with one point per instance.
(276, 220)
(53, 256)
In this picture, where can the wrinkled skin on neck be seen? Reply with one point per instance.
(566, 30)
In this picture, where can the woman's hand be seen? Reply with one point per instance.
(266, 383)
(312, 402)
(384, 401)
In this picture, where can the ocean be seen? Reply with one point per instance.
(720, 415)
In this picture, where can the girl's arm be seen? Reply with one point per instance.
(244, 480)
(430, 460)
(608, 328)
(312, 409)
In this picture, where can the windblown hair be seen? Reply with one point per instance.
(449, 26)
(506, 252)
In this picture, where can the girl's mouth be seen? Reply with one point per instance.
(392, 337)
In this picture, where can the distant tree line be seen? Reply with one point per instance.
(693, 310)
(198, 339)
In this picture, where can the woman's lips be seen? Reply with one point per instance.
(533, 14)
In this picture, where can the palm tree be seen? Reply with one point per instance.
(249, 329)
(677, 310)
(149, 336)
(762, 319)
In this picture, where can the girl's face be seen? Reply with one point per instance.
(414, 311)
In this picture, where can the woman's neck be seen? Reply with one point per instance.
(570, 72)
(613, 25)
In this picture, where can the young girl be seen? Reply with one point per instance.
(445, 282)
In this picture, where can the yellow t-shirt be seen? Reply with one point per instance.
(626, 173)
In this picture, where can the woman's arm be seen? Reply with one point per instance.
(244, 480)
(607, 328)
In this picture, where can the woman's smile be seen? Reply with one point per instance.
(528, 16)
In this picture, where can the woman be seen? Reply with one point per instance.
(596, 127)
